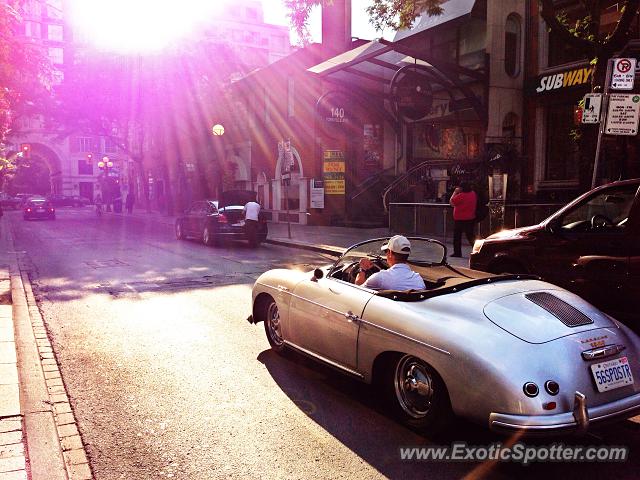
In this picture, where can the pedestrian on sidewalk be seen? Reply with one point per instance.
(129, 201)
(463, 201)
(251, 213)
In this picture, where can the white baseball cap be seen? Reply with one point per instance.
(398, 244)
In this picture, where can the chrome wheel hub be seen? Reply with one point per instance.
(273, 324)
(414, 387)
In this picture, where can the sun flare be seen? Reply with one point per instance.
(139, 25)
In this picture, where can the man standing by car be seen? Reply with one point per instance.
(398, 276)
(464, 202)
(251, 217)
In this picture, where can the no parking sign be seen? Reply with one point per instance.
(624, 70)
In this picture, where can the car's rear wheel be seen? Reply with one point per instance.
(273, 327)
(179, 231)
(416, 394)
(207, 238)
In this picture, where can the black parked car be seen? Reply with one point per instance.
(67, 200)
(39, 207)
(212, 221)
(591, 247)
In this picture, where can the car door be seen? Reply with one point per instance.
(588, 246)
(324, 319)
(192, 218)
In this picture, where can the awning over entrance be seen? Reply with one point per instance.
(376, 67)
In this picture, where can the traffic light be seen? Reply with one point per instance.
(25, 149)
(89, 157)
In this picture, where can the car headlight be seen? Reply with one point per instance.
(477, 246)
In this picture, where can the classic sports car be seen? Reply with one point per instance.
(508, 351)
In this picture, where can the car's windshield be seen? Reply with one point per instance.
(613, 205)
(423, 252)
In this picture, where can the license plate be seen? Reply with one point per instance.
(39, 209)
(612, 374)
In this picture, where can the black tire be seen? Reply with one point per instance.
(272, 326)
(179, 231)
(207, 238)
(415, 394)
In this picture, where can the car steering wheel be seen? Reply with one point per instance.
(600, 221)
(352, 270)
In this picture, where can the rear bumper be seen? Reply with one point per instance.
(565, 422)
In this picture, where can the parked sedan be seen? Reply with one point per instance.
(212, 223)
(591, 247)
(67, 200)
(39, 207)
(510, 352)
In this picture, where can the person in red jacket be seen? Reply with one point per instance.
(463, 201)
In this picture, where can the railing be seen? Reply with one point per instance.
(436, 219)
(400, 186)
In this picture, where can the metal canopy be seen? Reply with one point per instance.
(372, 68)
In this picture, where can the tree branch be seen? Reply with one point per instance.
(548, 12)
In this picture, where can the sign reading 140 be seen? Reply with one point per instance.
(337, 115)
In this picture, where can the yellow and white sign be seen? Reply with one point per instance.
(333, 170)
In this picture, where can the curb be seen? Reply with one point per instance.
(50, 444)
(327, 249)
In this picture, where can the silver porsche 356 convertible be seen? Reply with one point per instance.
(507, 351)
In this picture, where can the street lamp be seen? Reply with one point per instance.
(217, 130)
(105, 164)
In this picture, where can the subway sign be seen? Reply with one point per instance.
(556, 82)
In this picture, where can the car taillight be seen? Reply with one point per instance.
(222, 219)
(51, 209)
(28, 209)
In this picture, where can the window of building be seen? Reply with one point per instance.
(561, 52)
(561, 151)
(56, 55)
(85, 144)
(54, 9)
(472, 44)
(252, 13)
(290, 97)
(32, 29)
(33, 7)
(55, 33)
(85, 168)
(110, 145)
(512, 36)
(57, 77)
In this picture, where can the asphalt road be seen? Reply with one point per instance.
(168, 380)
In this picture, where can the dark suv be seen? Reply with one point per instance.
(591, 247)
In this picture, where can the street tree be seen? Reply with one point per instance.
(25, 70)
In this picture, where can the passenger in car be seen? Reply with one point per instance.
(398, 276)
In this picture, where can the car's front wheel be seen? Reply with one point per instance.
(273, 327)
(416, 394)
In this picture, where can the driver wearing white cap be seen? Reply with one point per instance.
(399, 276)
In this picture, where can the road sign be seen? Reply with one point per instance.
(591, 112)
(623, 113)
(624, 70)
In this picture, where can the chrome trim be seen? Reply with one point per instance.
(602, 352)
(580, 412)
(323, 359)
(626, 408)
(362, 321)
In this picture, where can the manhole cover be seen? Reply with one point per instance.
(106, 263)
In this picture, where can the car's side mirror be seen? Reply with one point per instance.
(317, 275)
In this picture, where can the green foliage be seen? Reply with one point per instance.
(25, 70)
(394, 14)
